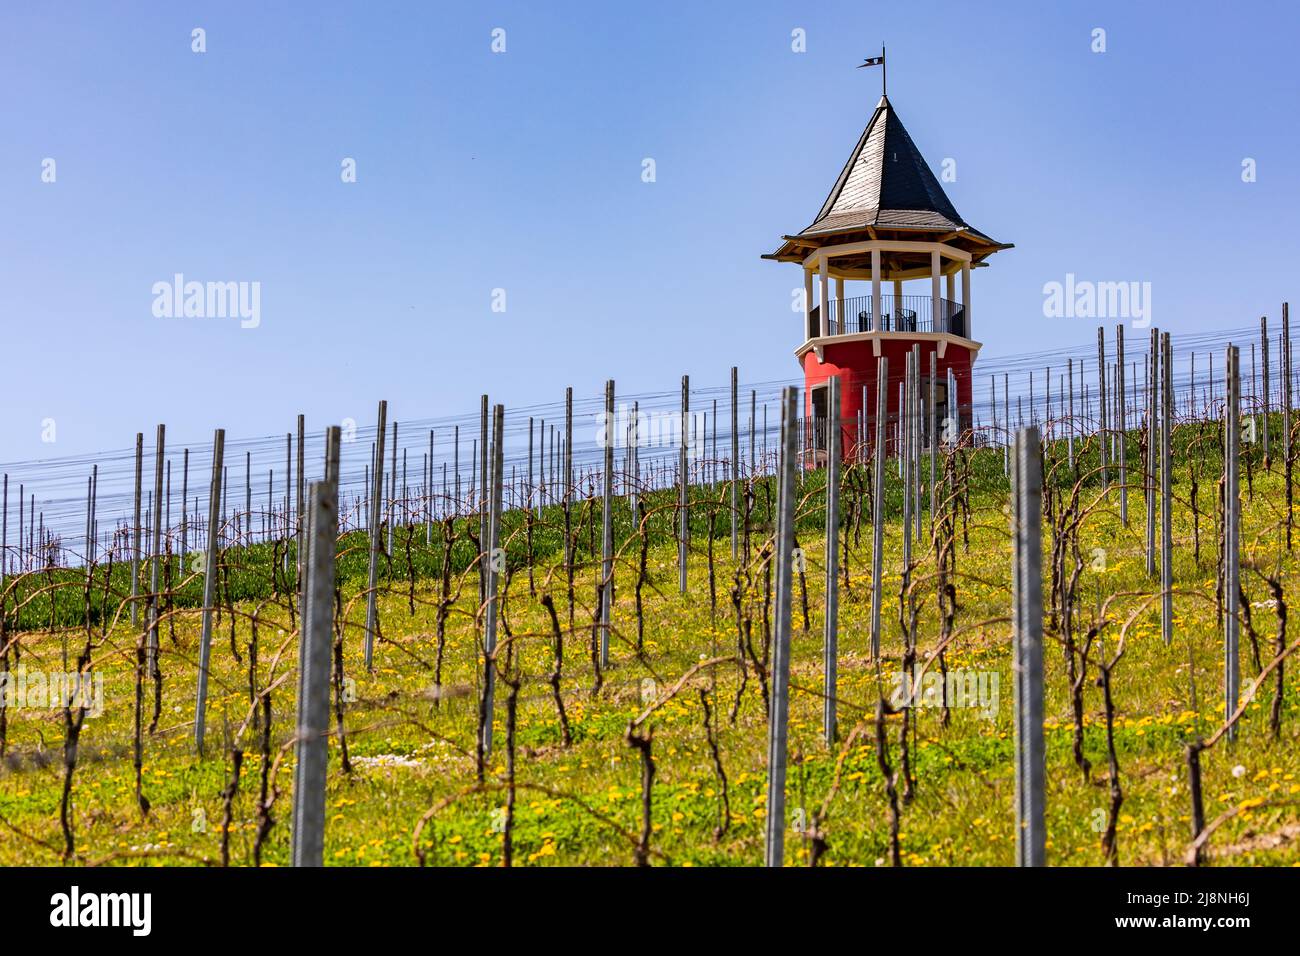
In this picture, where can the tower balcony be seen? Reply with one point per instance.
(898, 313)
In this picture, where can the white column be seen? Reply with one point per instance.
(935, 265)
(825, 292)
(875, 288)
(839, 308)
(807, 302)
(951, 294)
(898, 298)
(965, 297)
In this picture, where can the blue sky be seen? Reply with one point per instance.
(522, 171)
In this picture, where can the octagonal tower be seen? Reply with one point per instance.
(887, 227)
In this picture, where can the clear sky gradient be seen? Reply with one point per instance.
(522, 171)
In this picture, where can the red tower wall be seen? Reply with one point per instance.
(855, 363)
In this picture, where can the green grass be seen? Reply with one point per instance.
(413, 750)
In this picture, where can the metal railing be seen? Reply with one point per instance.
(906, 313)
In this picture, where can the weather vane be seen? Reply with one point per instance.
(880, 62)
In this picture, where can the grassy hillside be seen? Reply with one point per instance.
(695, 683)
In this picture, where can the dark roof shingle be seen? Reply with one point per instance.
(886, 182)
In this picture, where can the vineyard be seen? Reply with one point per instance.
(715, 658)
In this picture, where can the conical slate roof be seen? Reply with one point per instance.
(886, 183)
(887, 191)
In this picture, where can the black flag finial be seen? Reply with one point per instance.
(880, 62)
